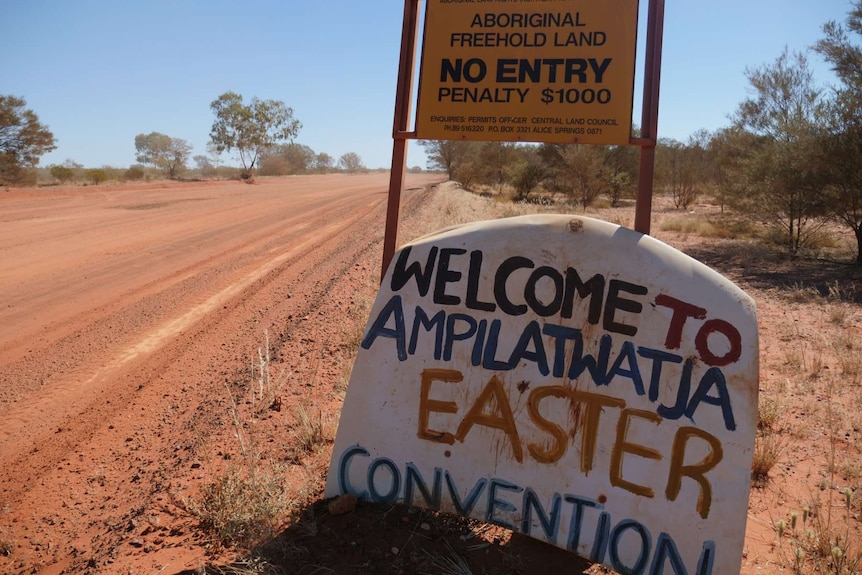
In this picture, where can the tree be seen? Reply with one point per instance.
(73, 165)
(163, 152)
(250, 129)
(287, 159)
(492, 161)
(202, 162)
(781, 171)
(133, 174)
(447, 155)
(682, 167)
(527, 174)
(323, 162)
(579, 171)
(727, 147)
(843, 161)
(351, 162)
(23, 139)
(843, 146)
(622, 163)
(299, 157)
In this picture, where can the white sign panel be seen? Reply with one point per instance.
(566, 378)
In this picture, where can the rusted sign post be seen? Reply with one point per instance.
(400, 128)
(649, 117)
(559, 71)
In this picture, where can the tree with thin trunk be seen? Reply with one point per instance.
(323, 163)
(781, 172)
(23, 139)
(165, 153)
(448, 155)
(527, 173)
(622, 163)
(682, 167)
(251, 129)
(579, 171)
(351, 163)
(843, 146)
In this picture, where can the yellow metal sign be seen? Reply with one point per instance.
(528, 70)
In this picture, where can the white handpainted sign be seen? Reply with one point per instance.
(566, 378)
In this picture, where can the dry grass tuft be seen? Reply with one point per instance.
(243, 506)
(816, 541)
(450, 564)
(266, 394)
(7, 546)
(721, 228)
(800, 293)
(768, 413)
(768, 447)
(314, 430)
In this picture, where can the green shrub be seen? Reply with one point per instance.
(62, 173)
(96, 175)
(133, 174)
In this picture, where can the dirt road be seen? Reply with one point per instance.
(122, 313)
(130, 316)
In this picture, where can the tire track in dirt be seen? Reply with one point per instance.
(19, 421)
(45, 445)
(23, 417)
(34, 371)
(133, 263)
(327, 274)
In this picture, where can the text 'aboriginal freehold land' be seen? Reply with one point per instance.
(569, 73)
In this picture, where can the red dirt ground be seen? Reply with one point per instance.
(127, 314)
(124, 310)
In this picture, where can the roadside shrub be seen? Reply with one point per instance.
(243, 507)
(134, 174)
(96, 176)
(17, 176)
(273, 166)
(62, 173)
(526, 177)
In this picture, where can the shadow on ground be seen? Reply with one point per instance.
(400, 540)
(763, 268)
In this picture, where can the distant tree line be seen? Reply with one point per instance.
(261, 133)
(791, 158)
(293, 159)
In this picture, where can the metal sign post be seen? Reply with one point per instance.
(524, 92)
(649, 119)
(404, 89)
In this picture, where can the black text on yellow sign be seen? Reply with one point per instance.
(555, 71)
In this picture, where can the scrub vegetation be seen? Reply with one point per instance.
(790, 161)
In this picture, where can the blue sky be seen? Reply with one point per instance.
(98, 72)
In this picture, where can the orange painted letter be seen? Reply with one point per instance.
(503, 419)
(427, 405)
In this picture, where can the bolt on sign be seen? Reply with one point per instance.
(524, 70)
(569, 379)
